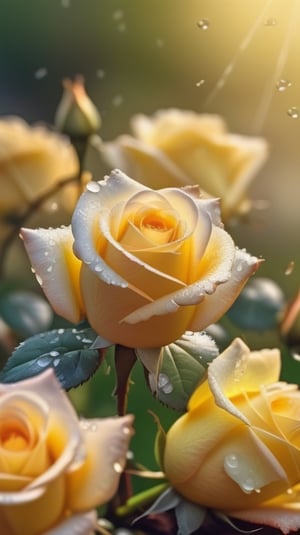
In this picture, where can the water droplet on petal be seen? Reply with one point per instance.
(239, 267)
(93, 187)
(293, 112)
(203, 24)
(118, 467)
(39, 279)
(98, 268)
(49, 269)
(200, 83)
(44, 361)
(282, 85)
(248, 485)
(271, 21)
(232, 460)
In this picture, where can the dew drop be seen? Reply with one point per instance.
(167, 389)
(93, 187)
(49, 269)
(61, 331)
(54, 353)
(98, 268)
(56, 362)
(293, 112)
(163, 380)
(44, 361)
(200, 83)
(248, 485)
(282, 85)
(39, 279)
(118, 467)
(100, 73)
(271, 21)
(231, 460)
(118, 14)
(40, 73)
(239, 267)
(87, 341)
(117, 100)
(46, 253)
(160, 43)
(203, 24)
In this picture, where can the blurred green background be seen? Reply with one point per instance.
(138, 56)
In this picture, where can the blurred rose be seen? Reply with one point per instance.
(33, 160)
(149, 265)
(237, 447)
(178, 148)
(55, 469)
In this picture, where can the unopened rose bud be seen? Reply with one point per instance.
(290, 323)
(76, 114)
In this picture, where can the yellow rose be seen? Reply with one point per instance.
(32, 160)
(176, 148)
(55, 469)
(149, 265)
(237, 447)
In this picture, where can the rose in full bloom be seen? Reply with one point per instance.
(55, 469)
(176, 148)
(147, 265)
(237, 447)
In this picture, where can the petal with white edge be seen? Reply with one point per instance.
(81, 524)
(112, 190)
(224, 296)
(285, 518)
(96, 480)
(57, 268)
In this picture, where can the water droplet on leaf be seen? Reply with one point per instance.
(44, 361)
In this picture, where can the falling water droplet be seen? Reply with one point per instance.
(293, 112)
(100, 73)
(282, 85)
(40, 73)
(93, 187)
(203, 24)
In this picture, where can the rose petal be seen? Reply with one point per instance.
(36, 516)
(215, 270)
(250, 373)
(147, 164)
(57, 268)
(285, 518)
(225, 294)
(96, 481)
(113, 189)
(64, 438)
(81, 524)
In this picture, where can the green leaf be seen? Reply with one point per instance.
(67, 351)
(182, 366)
(259, 305)
(26, 313)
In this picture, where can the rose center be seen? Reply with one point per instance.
(13, 436)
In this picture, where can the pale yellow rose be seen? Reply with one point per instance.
(54, 468)
(32, 160)
(148, 265)
(177, 148)
(237, 449)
